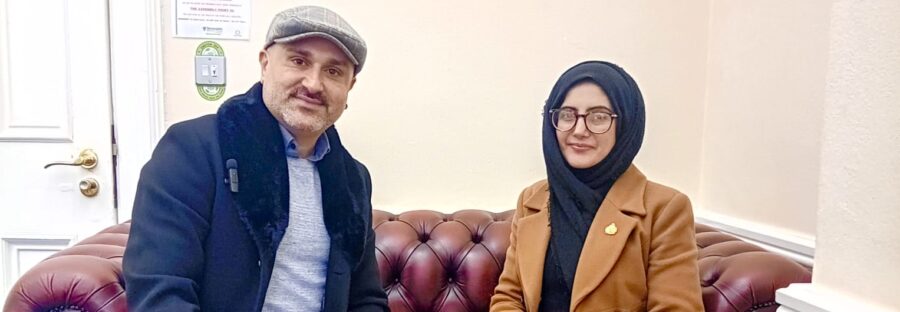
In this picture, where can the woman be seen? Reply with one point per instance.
(596, 235)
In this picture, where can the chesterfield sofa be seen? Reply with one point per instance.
(429, 261)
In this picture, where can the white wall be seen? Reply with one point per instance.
(859, 203)
(446, 113)
(762, 128)
(857, 249)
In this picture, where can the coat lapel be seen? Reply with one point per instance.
(602, 248)
(601, 251)
(533, 237)
(250, 135)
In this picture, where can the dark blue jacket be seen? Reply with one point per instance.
(196, 245)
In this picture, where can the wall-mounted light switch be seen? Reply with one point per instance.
(209, 70)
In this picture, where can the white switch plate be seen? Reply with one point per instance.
(209, 70)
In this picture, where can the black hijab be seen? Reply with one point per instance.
(576, 194)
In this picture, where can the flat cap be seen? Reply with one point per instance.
(314, 21)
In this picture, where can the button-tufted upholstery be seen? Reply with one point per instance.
(739, 276)
(429, 261)
(86, 277)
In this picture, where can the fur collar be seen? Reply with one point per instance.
(250, 135)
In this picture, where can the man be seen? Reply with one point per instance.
(259, 206)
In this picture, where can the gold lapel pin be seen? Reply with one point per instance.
(611, 229)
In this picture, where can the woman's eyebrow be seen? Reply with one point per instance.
(590, 109)
(599, 108)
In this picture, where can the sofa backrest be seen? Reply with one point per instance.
(429, 261)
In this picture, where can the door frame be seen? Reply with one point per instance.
(137, 96)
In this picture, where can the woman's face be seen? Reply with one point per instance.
(580, 147)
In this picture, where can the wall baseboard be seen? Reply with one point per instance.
(798, 248)
(807, 297)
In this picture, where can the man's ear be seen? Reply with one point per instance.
(263, 63)
(352, 83)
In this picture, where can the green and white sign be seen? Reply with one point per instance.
(210, 92)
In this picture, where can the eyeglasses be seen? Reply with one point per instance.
(564, 119)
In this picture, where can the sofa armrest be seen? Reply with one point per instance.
(84, 277)
(738, 276)
(53, 284)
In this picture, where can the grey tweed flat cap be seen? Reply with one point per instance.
(314, 21)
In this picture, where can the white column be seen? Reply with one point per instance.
(857, 260)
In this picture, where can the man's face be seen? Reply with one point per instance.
(305, 84)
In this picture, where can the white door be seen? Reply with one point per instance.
(54, 103)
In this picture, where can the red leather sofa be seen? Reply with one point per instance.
(429, 261)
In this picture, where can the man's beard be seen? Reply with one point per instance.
(294, 117)
(298, 120)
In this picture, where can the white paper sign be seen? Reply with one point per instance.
(212, 19)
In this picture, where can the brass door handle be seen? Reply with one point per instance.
(87, 159)
(89, 187)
